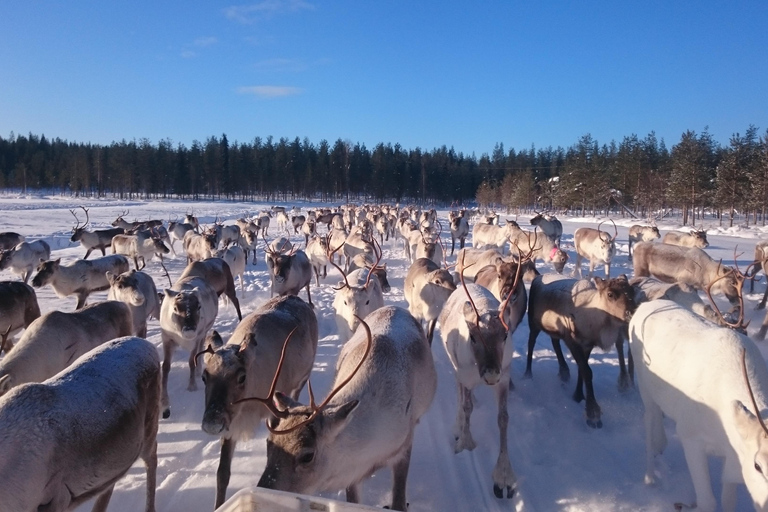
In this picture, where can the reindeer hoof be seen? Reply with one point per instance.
(760, 306)
(528, 375)
(598, 423)
(166, 413)
(499, 491)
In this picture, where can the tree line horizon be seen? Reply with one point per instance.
(637, 175)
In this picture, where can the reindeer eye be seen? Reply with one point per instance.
(307, 458)
(205, 377)
(611, 295)
(472, 339)
(758, 468)
(241, 379)
(366, 302)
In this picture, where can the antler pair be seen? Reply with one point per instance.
(269, 400)
(615, 229)
(740, 278)
(87, 219)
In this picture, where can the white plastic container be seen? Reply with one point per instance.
(255, 499)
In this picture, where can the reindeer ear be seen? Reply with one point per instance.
(5, 384)
(469, 313)
(170, 293)
(336, 417)
(600, 283)
(284, 402)
(110, 277)
(214, 340)
(747, 424)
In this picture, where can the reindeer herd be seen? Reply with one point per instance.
(82, 393)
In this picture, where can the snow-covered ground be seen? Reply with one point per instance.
(561, 463)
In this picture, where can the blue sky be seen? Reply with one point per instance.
(421, 74)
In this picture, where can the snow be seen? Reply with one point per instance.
(561, 463)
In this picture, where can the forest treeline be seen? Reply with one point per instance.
(639, 175)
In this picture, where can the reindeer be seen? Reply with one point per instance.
(249, 242)
(190, 219)
(139, 247)
(475, 328)
(486, 236)
(540, 248)
(218, 274)
(692, 239)
(356, 297)
(471, 261)
(356, 430)
(427, 288)
(356, 243)
(187, 313)
(90, 240)
(25, 257)
(177, 231)
(371, 260)
(18, 309)
(459, 230)
(282, 221)
(137, 290)
(297, 221)
(430, 247)
(317, 252)
(199, 247)
(289, 273)
(584, 314)
(244, 367)
(687, 265)
(596, 246)
(549, 225)
(54, 340)
(638, 233)
(760, 263)
(229, 234)
(650, 288)
(80, 278)
(71, 438)
(702, 377)
(263, 223)
(9, 240)
(309, 229)
(236, 258)
(120, 222)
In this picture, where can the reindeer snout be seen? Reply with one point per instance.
(491, 376)
(214, 422)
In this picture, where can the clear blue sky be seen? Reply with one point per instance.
(419, 73)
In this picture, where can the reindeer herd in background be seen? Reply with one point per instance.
(66, 365)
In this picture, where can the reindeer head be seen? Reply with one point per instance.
(46, 270)
(125, 287)
(699, 238)
(120, 219)
(5, 258)
(607, 242)
(224, 378)
(753, 433)
(487, 334)
(186, 311)
(301, 437)
(78, 230)
(617, 297)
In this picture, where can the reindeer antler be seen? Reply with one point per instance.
(749, 388)
(269, 402)
(332, 262)
(740, 278)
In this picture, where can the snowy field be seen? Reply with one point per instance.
(561, 463)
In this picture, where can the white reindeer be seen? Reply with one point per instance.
(702, 377)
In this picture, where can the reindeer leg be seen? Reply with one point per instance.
(150, 460)
(585, 374)
(503, 476)
(87, 253)
(431, 330)
(353, 493)
(623, 376)
(532, 335)
(192, 386)
(224, 471)
(309, 298)
(462, 434)
(168, 348)
(761, 305)
(655, 437)
(453, 244)
(563, 371)
(400, 477)
(698, 467)
(81, 298)
(103, 500)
